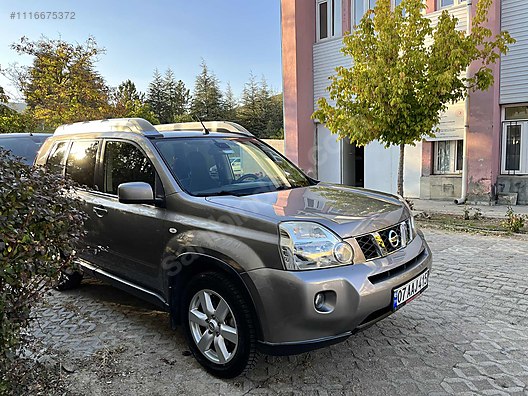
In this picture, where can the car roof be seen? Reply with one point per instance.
(141, 127)
(198, 134)
(24, 134)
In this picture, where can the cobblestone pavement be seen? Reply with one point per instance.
(468, 334)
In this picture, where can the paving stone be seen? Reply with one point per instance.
(468, 334)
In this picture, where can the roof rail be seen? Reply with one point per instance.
(212, 126)
(135, 125)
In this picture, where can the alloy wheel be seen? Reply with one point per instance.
(213, 326)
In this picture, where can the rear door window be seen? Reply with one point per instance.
(81, 162)
(124, 162)
(55, 160)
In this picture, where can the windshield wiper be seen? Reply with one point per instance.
(219, 193)
(284, 187)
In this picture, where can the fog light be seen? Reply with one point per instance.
(319, 301)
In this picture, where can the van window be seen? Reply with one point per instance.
(25, 147)
(123, 163)
(55, 161)
(81, 162)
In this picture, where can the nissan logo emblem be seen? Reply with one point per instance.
(394, 238)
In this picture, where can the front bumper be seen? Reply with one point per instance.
(284, 300)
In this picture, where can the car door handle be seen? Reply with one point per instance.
(99, 211)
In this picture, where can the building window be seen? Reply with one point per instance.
(323, 20)
(516, 113)
(515, 141)
(360, 7)
(448, 3)
(328, 19)
(513, 148)
(448, 156)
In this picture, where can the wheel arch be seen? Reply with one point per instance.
(200, 263)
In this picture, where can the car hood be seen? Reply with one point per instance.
(346, 210)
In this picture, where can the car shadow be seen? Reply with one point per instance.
(106, 293)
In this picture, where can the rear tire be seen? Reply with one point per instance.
(69, 280)
(219, 325)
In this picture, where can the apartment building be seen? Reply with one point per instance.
(496, 139)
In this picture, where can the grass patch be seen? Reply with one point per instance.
(483, 225)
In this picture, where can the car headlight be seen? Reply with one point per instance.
(306, 245)
(412, 226)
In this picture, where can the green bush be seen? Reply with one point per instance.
(41, 225)
(514, 222)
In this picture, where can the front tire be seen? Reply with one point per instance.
(219, 325)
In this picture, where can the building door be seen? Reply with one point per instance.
(353, 166)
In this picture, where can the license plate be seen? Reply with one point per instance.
(409, 291)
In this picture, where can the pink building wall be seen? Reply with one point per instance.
(346, 15)
(298, 36)
(430, 4)
(427, 147)
(485, 126)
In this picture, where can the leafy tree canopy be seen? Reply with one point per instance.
(404, 73)
(127, 102)
(62, 85)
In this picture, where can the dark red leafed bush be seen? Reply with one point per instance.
(41, 226)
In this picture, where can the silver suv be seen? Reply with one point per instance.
(257, 258)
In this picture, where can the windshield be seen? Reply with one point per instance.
(228, 166)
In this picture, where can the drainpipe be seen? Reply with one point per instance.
(463, 195)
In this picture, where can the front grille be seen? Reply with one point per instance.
(386, 238)
(386, 241)
(369, 247)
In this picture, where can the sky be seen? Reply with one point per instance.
(234, 37)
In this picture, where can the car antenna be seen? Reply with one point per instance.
(205, 130)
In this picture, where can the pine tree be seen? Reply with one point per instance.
(3, 96)
(207, 103)
(157, 97)
(275, 116)
(230, 104)
(261, 110)
(169, 93)
(249, 112)
(178, 97)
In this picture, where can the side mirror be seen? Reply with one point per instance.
(135, 193)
